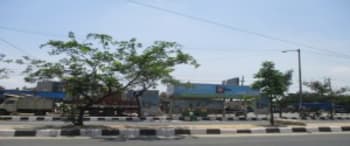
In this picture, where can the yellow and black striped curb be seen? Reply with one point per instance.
(165, 132)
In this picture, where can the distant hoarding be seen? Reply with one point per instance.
(210, 91)
(233, 81)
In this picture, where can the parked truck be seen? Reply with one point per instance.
(42, 102)
(14, 104)
(114, 105)
(125, 104)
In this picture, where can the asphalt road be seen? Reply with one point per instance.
(284, 140)
(175, 122)
(144, 123)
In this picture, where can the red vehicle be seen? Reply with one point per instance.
(114, 105)
(126, 105)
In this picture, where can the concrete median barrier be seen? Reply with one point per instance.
(163, 132)
(163, 118)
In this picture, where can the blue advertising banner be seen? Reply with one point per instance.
(210, 91)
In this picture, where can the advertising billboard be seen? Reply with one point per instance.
(210, 91)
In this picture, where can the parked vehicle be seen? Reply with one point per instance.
(14, 104)
(125, 104)
(237, 107)
(340, 109)
(315, 109)
(41, 102)
(114, 105)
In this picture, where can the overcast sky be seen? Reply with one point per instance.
(246, 33)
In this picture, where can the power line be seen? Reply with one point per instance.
(231, 49)
(31, 32)
(330, 57)
(233, 28)
(15, 47)
(37, 33)
(330, 53)
(220, 50)
(334, 56)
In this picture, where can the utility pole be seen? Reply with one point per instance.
(300, 83)
(329, 84)
(242, 81)
(300, 80)
(331, 98)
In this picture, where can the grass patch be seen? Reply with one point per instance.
(290, 122)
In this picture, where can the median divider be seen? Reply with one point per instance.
(135, 119)
(163, 132)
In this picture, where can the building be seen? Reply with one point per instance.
(50, 86)
(233, 82)
(46, 89)
(209, 97)
(43, 94)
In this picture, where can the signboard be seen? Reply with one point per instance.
(210, 91)
(220, 89)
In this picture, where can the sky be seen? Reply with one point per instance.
(231, 39)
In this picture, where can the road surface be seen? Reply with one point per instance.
(175, 122)
(281, 140)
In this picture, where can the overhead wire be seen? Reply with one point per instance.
(238, 29)
(16, 47)
(315, 50)
(31, 32)
(191, 48)
(62, 36)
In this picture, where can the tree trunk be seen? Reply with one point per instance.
(224, 109)
(272, 121)
(280, 113)
(280, 109)
(138, 102)
(80, 119)
(332, 111)
(138, 95)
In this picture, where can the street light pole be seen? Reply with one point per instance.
(300, 80)
(300, 83)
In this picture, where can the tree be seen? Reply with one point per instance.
(3, 70)
(100, 66)
(324, 90)
(248, 102)
(271, 83)
(281, 102)
(318, 87)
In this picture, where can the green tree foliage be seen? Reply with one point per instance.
(272, 83)
(293, 99)
(4, 72)
(318, 87)
(324, 88)
(100, 66)
(324, 91)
